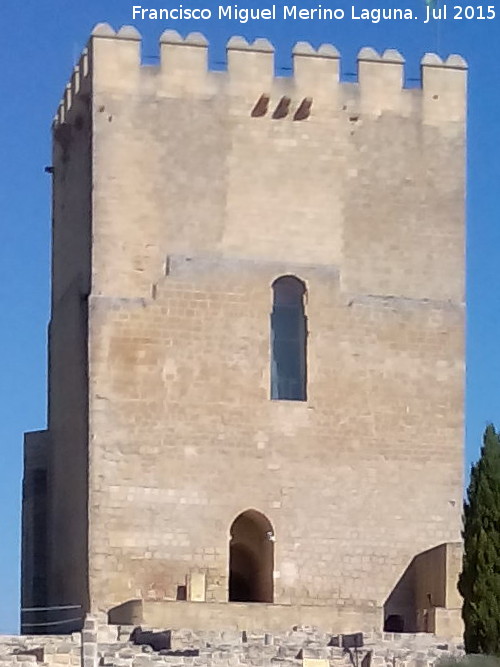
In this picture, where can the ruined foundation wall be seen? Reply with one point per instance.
(300, 646)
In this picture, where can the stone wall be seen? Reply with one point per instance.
(437, 601)
(185, 437)
(247, 616)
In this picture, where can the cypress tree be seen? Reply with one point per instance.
(479, 582)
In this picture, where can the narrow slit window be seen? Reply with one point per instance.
(288, 340)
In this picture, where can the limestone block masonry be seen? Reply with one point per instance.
(180, 195)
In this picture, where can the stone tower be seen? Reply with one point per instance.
(256, 342)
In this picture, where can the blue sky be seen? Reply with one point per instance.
(40, 42)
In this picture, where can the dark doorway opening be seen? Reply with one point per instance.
(251, 558)
(394, 623)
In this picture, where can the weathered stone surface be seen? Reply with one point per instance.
(174, 212)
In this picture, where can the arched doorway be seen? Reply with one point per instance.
(251, 558)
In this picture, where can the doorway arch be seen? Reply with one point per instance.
(251, 558)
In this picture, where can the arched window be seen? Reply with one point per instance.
(288, 340)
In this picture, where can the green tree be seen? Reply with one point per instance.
(479, 582)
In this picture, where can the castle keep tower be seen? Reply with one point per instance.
(256, 342)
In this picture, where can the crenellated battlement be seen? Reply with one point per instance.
(112, 62)
(78, 85)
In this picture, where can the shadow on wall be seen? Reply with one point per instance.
(400, 607)
(425, 599)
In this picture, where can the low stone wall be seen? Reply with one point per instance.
(101, 645)
(250, 616)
